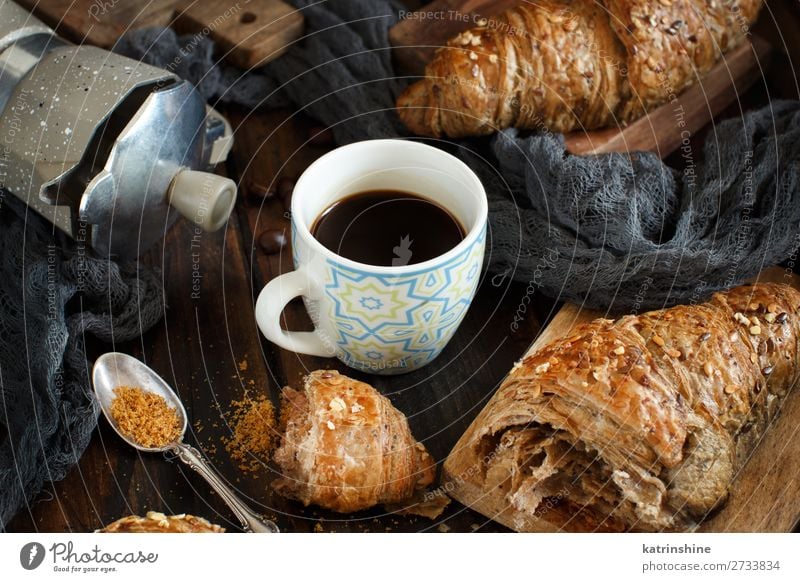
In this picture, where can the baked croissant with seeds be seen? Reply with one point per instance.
(639, 423)
(346, 448)
(568, 65)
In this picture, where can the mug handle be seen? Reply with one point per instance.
(270, 304)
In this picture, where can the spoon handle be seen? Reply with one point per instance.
(251, 521)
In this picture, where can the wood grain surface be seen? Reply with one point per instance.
(765, 493)
(100, 22)
(248, 35)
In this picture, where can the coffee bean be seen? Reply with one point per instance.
(320, 136)
(257, 192)
(285, 189)
(272, 241)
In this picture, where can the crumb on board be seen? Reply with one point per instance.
(243, 365)
(421, 504)
(253, 422)
(145, 417)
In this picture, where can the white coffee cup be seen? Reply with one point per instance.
(382, 319)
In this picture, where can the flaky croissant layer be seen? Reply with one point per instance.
(641, 423)
(346, 448)
(157, 522)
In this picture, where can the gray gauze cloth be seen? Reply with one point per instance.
(52, 294)
(614, 229)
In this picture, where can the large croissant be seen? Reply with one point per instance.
(639, 423)
(346, 448)
(567, 65)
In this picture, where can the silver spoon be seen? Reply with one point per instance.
(116, 369)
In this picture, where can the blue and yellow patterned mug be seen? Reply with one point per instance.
(380, 319)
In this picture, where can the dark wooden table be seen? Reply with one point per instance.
(209, 349)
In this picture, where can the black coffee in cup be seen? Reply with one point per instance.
(388, 228)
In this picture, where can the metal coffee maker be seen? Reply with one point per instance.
(108, 149)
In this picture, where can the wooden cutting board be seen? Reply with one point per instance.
(100, 22)
(663, 130)
(249, 34)
(764, 497)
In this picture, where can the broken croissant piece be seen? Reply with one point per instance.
(640, 423)
(344, 446)
(565, 66)
(156, 522)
